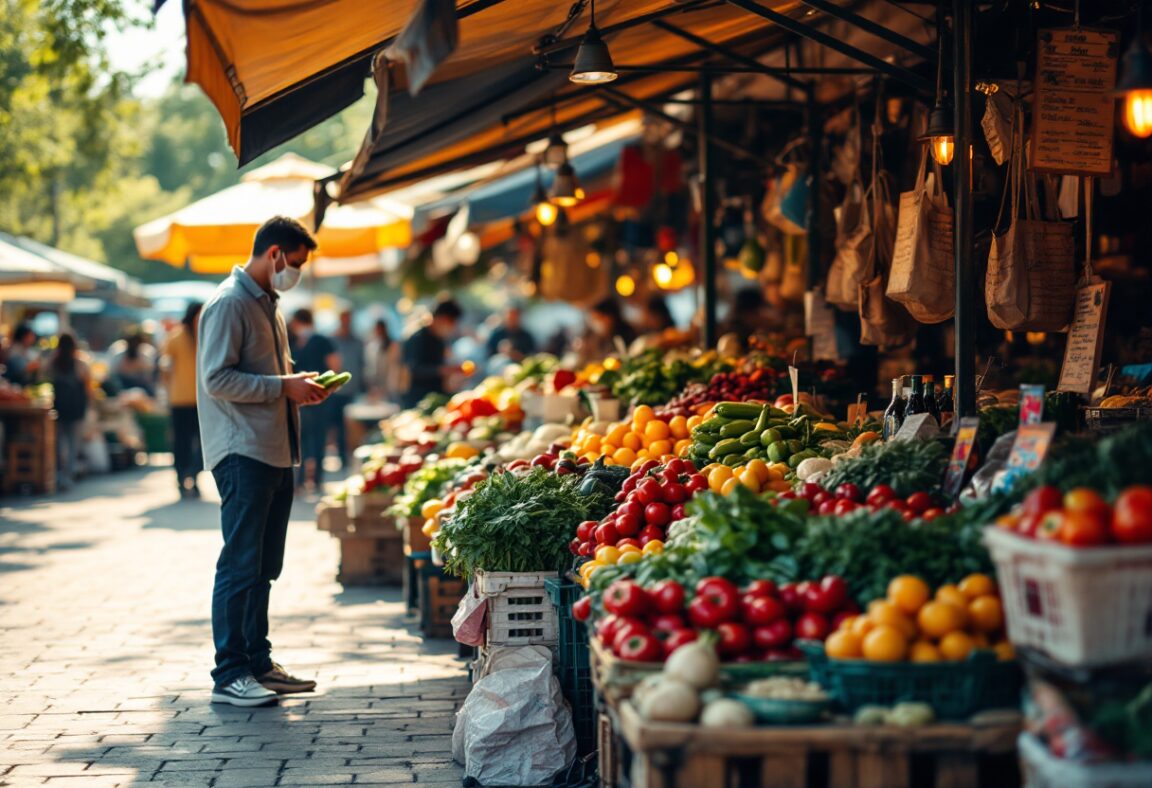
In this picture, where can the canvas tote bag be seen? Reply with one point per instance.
(923, 276)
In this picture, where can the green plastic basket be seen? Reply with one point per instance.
(573, 665)
(955, 690)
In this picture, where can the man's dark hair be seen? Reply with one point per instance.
(448, 308)
(282, 231)
(20, 332)
(303, 316)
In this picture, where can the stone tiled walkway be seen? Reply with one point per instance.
(105, 647)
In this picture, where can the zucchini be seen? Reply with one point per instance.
(724, 448)
(770, 436)
(750, 439)
(739, 410)
(734, 460)
(734, 429)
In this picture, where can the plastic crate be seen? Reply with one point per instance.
(440, 595)
(954, 690)
(519, 611)
(1054, 596)
(573, 666)
(1042, 769)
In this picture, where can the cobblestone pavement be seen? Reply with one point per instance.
(105, 647)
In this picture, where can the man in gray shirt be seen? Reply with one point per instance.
(248, 398)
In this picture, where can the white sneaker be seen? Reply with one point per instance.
(244, 691)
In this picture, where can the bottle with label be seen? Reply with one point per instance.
(894, 415)
(916, 403)
(930, 397)
(944, 403)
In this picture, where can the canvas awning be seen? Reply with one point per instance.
(105, 282)
(29, 278)
(274, 68)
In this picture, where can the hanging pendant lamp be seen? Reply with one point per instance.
(566, 191)
(1135, 87)
(593, 64)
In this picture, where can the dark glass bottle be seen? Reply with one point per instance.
(894, 415)
(944, 403)
(916, 403)
(930, 397)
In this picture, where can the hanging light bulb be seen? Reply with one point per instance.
(1135, 87)
(593, 64)
(566, 189)
(625, 285)
(662, 274)
(557, 151)
(545, 210)
(940, 134)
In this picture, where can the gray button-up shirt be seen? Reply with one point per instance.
(242, 351)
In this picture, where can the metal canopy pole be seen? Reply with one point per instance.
(780, 75)
(965, 384)
(707, 209)
(815, 140)
(868, 26)
(820, 37)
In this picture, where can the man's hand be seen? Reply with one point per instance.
(300, 389)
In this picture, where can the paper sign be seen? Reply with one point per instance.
(963, 458)
(1073, 109)
(820, 324)
(1085, 339)
(858, 411)
(794, 374)
(1031, 404)
(920, 426)
(1031, 446)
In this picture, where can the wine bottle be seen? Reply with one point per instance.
(930, 397)
(916, 399)
(944, 403)
(894, 415)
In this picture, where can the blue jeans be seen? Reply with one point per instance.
(255, 505)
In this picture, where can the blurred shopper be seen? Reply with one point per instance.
(178, 371)
(657, 316)
(605, 323)
(313, 352)
(248, 400)
(22, 362)
(385, 367)
(351, 350)
(426, 353)
(69, 376)
(134, 363)
(520, 342)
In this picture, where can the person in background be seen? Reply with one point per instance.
(178, 371)
(520, 342)
(657, 317)
(426, 353)
(385, 369)
(134, 367)
(351, 350)
(750, 315)
(69, 376)
(22, 362)
(605, 323)
(313, 352)
(248, 399)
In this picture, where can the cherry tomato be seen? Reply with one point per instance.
(920, 502)
(667, 596)
(674, 493)
(762, 588)
(648, 491)
(678, 512)
(628, 524)
(848, 491)
(761, 610)
(774, 635)
(735, 639)
(812, 626)
(657, 514)
(582, 608)
(1132, 515)
(880, 495)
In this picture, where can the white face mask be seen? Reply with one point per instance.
(287, 277)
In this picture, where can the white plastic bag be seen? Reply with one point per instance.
(514, 728)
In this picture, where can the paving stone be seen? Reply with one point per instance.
(315, 777)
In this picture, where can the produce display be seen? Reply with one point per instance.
(1082, 517)
(735, 386)
(738, 432)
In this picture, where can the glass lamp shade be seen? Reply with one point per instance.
(593, 64)
(940, 134)
(557, 151)
(565, 188)
(1135, 87)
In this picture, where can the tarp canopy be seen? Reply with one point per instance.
(106, 283)
(274, 68)
(215, 233)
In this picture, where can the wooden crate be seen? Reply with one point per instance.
(373, 560)
(414, 539)
(440, 595)
(659, 755)
(332, 516)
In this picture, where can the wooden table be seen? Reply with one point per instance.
(30, 447)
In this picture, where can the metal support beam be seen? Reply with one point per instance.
(574, 41)
(820, 37)
(815, 167)
(712, 68)
(779, 75)
(704, 141)
(868, 26)
(965, 383)
(623, 100)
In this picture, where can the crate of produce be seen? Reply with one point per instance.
(519, 611)
(370, 560)
(1105, 421)
(662, 755)
(369, 504)
(1042, 769)
(440, 595)
(573, 666)
(954, 690)
(1053, 597)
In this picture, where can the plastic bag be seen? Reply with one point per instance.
(514, 728)
(468, 622)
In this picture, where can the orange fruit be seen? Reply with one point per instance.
(956, 646)
(885, 644)
(760, 468)
(909, 593)
(717, 477)
(642, 415)
(624, 457)
(657, 430)
(682, 447)
(977, 585)
(847, 622)
(607, 554)
(632, 557)
(886, 614)
(729, 485)
(923, 651)
(937, 619)
(750, 480)
(986, 613)
(862, 625)
(615, 436)
(679, 428)
(694, 422)
(842, 644)
(660, 448)
(952, 595)
(1004, 651)
(633, 441)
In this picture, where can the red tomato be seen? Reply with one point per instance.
(697, 482)
(574, 546)
(678, 513)
(844, 506)
(762, 588)
(626, 629)
(880, 495)
(606, 628)
(678, 639)
(677, 466)
(812, 626)
(657, 514)
(607, 534)
(1029, 525)
(633, 542)
(820, 498)
(827, 597)
(735, 639)
(826, 508)
(582, 608)
(626, 598)
(646, 466)
(650, 533)
(640, 647)
(633, 508)
(1132, 515)
(774, 635)
(628, 524)
(1085, 499)
(1050, 525)
(585, 530)
(761, 610)
(587, 549)
(848, 491)
(667, 596)
(674, 492)
(629, 484)
(666, 623)
(1084, 529)
(932, 514)
(1043, 500)
(791, 598)
(648, 491)
(920, 502)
